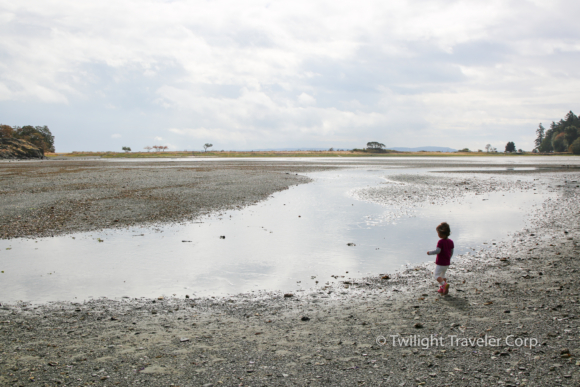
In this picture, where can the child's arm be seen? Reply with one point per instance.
(451, 254)
(435, 252)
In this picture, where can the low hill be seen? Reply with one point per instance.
(13, 148)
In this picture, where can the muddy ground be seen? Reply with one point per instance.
(519, 296)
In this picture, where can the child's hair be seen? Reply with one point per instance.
(443, 229)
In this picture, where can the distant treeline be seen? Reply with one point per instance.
(39, 136)
(563, 136)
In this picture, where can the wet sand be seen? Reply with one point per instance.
(524, 287)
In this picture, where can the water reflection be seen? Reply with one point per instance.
(281, 243)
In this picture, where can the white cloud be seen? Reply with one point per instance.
(305, 99)
(298, 73)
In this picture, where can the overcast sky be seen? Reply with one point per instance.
(246, 74)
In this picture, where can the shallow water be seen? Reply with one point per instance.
(295, 238)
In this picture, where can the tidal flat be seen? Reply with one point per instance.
(519, 287)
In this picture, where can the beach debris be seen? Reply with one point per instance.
(418, 325)
(386, 277)
(350, 244)
(222, 237)
(565, 353)
(185, 241)
(304, 318)
(288, 295)
(183, 339)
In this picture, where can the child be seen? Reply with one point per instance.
(444, 253)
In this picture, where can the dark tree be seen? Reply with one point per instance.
(207, 145)
(540, 135)
(572, 133)
(559, 143)
(6, 131)
(571, 119)
(546, 145)
(375, 145)
(510, 147)
(39, 136)
(560, 135)
(575, 147)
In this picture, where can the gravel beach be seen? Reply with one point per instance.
(519, 296)
(40, 199)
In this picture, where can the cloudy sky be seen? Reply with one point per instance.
(246, 74)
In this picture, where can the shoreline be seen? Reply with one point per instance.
(59, 198)
(525, 286)
(45, 199)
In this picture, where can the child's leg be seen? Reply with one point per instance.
(439, 274)
(440, 277)
(445, 287)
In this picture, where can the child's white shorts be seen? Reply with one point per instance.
(440, 271)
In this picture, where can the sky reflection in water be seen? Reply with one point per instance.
(279, 244)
